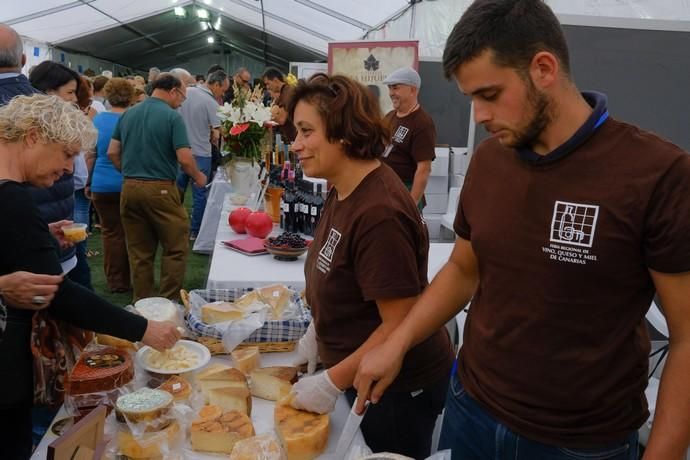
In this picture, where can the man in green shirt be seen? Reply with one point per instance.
(149, 141)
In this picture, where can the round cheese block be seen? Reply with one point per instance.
(157, 309)
(143, 405)
(102, 370)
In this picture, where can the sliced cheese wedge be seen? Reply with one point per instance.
(246, 359)
(272, 383)
(229, 398)
(218, 312)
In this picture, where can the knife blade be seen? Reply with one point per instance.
(349, 431)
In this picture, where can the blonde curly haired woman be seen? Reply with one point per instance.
(39, 138)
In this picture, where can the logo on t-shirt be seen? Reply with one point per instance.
(328, 250)
(400, 134)
(574, 223)
(572, 233)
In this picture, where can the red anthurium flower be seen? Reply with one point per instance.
(236, 130)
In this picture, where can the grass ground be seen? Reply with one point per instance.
(195, 274)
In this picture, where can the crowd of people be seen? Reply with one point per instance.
(555, 350)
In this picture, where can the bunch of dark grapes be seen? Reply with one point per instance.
(288, 240)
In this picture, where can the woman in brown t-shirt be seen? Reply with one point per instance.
(366, 267)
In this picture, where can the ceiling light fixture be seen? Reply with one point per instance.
(210, 39)
(202, 13)
(180, 12)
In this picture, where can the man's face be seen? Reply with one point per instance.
(244, 79)
(402, 95)
(178, 96)
(508, 105)
(218, 89)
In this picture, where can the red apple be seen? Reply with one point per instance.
(237, 219)
(259, 224)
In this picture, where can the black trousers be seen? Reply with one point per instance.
(15, 433)
(403, 423)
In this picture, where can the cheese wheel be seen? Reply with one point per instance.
(144, 404)
(157, 309)
(304, 435)
(261, 447)
(221, 433)
(220, 376)
(246, 359)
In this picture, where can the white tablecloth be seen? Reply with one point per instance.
(262, 414)
(230, 269)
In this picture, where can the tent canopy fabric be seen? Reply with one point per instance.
(140, 33)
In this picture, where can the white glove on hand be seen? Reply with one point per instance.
(307, 350)
(316, 393)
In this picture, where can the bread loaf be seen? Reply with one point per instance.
(304, 435)
(272, 383)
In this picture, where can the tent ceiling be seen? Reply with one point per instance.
(141, 33)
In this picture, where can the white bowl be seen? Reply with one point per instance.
(203, 357)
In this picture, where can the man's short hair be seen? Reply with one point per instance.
(514, 30)
(213, 68)
(218, 77)
(11, 56)
(166, 81)
(272, 74)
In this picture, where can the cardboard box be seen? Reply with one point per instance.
(436, 203)
(459, 160)
(457, 180)
(436, 185)
(441, 165)
(433, 224)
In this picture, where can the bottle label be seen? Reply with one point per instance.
(313, 211)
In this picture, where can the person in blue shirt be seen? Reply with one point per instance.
(106, 185)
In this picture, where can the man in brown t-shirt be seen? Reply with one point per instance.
(568, 222)
(411, 149)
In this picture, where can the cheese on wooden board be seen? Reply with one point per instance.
(220, 434)
(304, 435)
(246, 359)
(272, 383)
(262, 447)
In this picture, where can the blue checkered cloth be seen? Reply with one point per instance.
(272, 331)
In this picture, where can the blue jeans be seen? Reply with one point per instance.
(81, 273)
(473, 434)
(199, 194)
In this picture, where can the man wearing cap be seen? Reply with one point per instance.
(411, 150)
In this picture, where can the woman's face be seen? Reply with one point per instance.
(66, 92)
(318, 156)
(47, 162)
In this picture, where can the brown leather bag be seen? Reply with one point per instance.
(56, 347)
